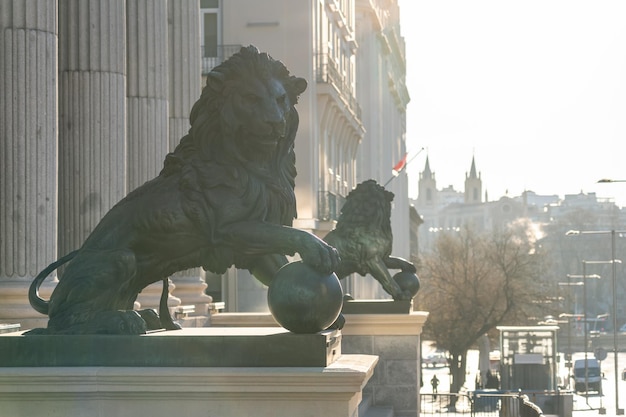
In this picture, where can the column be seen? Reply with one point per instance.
(147, 95)
(146, 25)
(28, 153)
(92, 135)
(184, 89)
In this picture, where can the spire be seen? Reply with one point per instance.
(473, 185)
(427, 174)
(473, 169)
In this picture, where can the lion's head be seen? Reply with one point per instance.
(246, 112)
(367, 205)
(243, 128)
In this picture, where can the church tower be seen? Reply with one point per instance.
(427, 187)
(473, 186)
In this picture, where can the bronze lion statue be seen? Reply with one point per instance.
(364, 240)
(224, 197)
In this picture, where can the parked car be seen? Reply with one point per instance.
(589, 377)
(435, 359)
(623, 328)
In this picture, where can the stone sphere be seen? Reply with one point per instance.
(408, 282)
(303, 300)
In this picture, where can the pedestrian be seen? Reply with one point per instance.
(435, 383)
(492, 381)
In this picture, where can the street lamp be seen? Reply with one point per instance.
(569, 317)
(607, 180)
(584, 277)
(613, 261)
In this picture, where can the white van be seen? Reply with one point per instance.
(594, 375)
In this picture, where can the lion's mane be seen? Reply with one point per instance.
(367, 206)
(210, 155)
(363, 227)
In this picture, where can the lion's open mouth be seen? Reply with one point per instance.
(267, 141)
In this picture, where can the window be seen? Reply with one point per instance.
(209, 10)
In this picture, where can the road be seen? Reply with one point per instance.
(591, 404)
(584, 406)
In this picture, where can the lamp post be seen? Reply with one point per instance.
(618, 411)
(608, 180)
(586, 343)
(569, 315)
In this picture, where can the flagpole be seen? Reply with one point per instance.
(404, 166)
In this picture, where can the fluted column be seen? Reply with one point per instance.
(92, 97)
(28, 152)
(184, 89)
(146, 26)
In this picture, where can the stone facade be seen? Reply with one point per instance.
(107, 127)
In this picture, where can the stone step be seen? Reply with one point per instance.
(379, 411)
(366, 402)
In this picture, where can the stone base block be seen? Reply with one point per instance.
(228, 347)
(332, 391)
(394, 338)
(377, 307)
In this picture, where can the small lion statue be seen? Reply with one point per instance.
(224, 197)
(364, 240)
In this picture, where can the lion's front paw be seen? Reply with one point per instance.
(320, 256)
(404, 295)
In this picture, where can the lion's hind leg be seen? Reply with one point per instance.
(93, 294)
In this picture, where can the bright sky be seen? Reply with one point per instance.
(535, 90)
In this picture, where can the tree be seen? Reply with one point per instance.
(472, 283)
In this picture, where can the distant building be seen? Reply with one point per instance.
(448, 210)
(550, 217)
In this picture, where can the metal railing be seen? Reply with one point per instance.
(478, 404)
(327, 71)
(329, 205)
(441, 404)
(213, 56)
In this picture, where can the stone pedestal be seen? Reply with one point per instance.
(243, 320)
(190, 372)
(394, 338)
(232, 347)
(332, 391)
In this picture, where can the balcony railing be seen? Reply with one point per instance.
(327, 72)
(329, 205)
(213, 56)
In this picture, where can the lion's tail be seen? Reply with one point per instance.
(39, 304)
